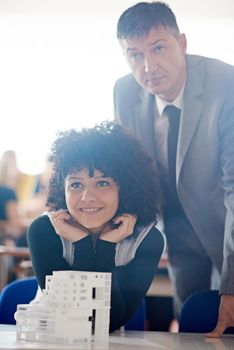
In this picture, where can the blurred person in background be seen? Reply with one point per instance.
(12, 226)
(9, 172)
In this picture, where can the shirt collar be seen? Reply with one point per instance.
(178, 101)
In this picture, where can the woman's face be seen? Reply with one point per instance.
(91, 201)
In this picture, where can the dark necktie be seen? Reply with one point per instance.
(173, 114)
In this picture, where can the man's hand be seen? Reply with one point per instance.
(226, 316)
(66, 226)
(126, 226)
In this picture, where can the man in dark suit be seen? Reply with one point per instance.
(191, 141)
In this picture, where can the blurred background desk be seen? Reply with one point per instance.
(20, 252)
(129, 341)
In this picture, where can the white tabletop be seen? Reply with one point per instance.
(129, 341)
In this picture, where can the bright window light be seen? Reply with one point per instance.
(58, 67)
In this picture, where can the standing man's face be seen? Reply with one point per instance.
(157, 61)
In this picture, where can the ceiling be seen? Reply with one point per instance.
(182, 8)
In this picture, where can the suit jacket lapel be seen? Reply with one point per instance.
(191, 112)
(144, 117)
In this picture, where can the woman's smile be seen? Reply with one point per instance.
(90, 210)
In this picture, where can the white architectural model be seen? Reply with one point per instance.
(74, 308)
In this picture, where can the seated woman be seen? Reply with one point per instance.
(103, 200)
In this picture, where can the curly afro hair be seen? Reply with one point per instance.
(117, 154)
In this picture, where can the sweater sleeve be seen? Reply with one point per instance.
(47, 252)
(130, 282)
(84, 259)
(45, 249)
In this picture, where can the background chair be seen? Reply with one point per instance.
(20, 291)
(199, 313)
